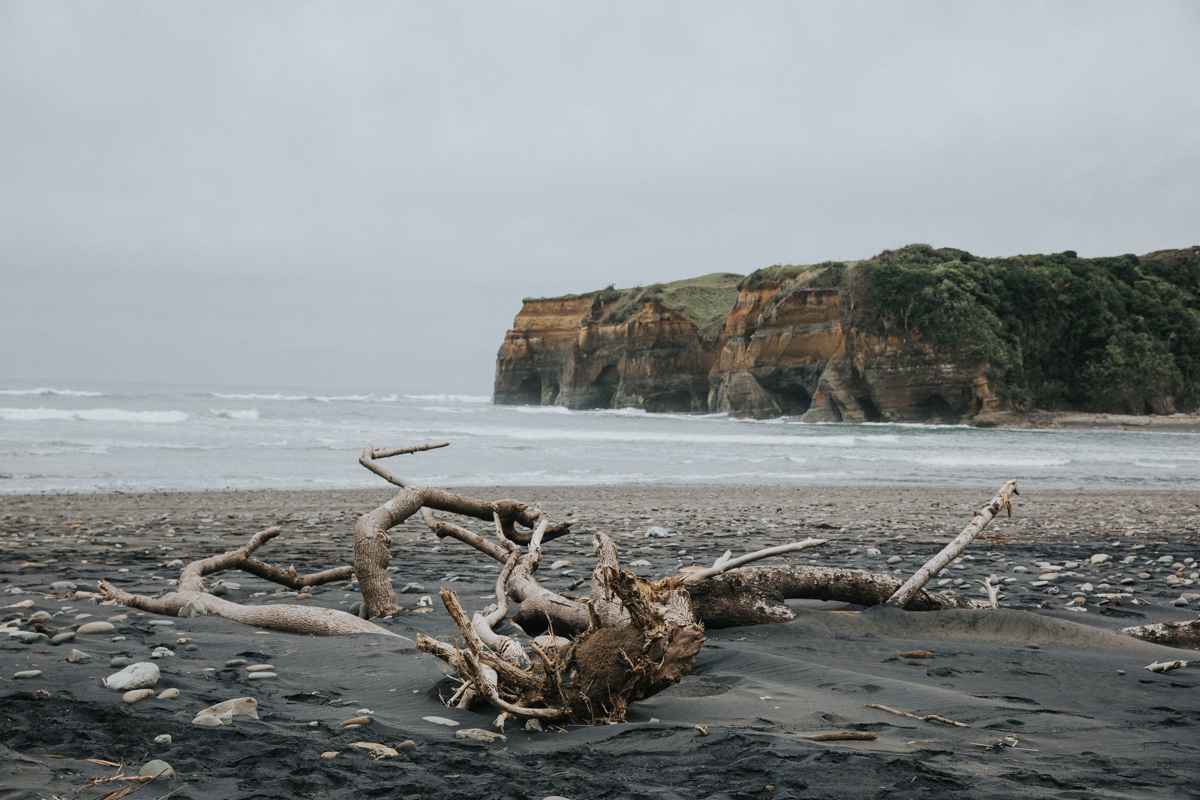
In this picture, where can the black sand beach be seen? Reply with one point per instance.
(1054, 702)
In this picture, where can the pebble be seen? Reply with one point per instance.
(169, 694)
(653, 530)
(235, 662)
(157, 767)
(191, 648)
(641, 562)
(96, 627)
(75, 656)
(141, 675)
(119, 661)
(533, 725)
(162, 652)
(63, 638)
(259, 668)
(412, 587)
(329, 754)
(59, 586)
(207, 721)
(260, 676)
(560, 564)
(134, 695)
(407, 746)
(27, 673)
(162, 738)
(440, 721)
(479, 735)
(895, 560)
(225, 711)
(162, 622)
(28, 637)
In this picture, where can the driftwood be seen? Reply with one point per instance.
(936, 564)
(1166, 666)
(628, 637)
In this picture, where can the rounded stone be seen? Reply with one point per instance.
(119, 661)
(88, 628)
(407, 746)
(157, 768)
(27, 673)
(134, 695)
(63, 638)
(258, 676)
(162, 738)
(169, 694)
(75, 656)
(141, 675)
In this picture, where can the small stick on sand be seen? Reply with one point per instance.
(993, 591)
(725, 564)
(926, 718)
(844, 735)
(951, 551)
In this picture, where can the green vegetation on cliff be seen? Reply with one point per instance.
(707, 298)
(1058, 331)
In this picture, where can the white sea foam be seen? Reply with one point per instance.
(235, 413)
(90, 415)
(46, 391)
(318, 398)
(473, 399)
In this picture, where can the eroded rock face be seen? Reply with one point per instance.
(782, 351)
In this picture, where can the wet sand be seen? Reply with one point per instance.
(1037, 683)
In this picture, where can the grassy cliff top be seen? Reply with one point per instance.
(706, 298)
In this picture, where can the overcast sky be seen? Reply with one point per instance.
(358, 195)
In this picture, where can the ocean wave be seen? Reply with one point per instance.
(561, 410)
(235, 413)
(986, 460)
(46, 391)
(473, 399)
(800, 440)
(91, 415)
(318, 398)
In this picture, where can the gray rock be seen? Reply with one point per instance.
(895, 560)
(28, 637)
(119, 661)
(75, 656)
(141, 675)
(261, 676)
(534, 724)
(89, 628)
(191, 647)
(407, 746)
(193, 608)
(169, 694)
(440, 721)
(162, 652)
(235, 662)
(220, 590)
(64, 586)
(162, 738)
(656, 530)
(63, 638)
(157, 767)
(162, 622)
(40, 615)
(479, 735)
(27, 673)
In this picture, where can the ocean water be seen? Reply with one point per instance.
(98, 438)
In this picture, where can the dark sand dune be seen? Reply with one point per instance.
(1047, 679)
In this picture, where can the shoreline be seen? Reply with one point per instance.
(1056, 678)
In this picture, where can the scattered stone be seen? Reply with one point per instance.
(1179, 602)
(479, 735)
(219, 590)
(193, 608)
(162, 652)
(224, 712)
(89, 628)
(27, 673)
(141, 675)
(161, 622)
(895, 560)
(412, 587)
(534, 725)
(561, 564)
(28, 637)
(641, 562)
(63, 638)
(208, 721)
(259, 668)
(119, 661)
(441, 721)
(261, 676)
(329, 754)
(656, 530)
(157, 768)
(162, 738)
(63, 586)
(376, 750)
(191, 648)
(134, 695)
(75, 656)
(169, 694)
(235, 662)
(407, 746)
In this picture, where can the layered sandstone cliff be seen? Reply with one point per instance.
(912, 335)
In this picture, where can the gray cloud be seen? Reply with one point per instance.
(359, 194)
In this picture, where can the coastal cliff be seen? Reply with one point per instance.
(912, 335)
